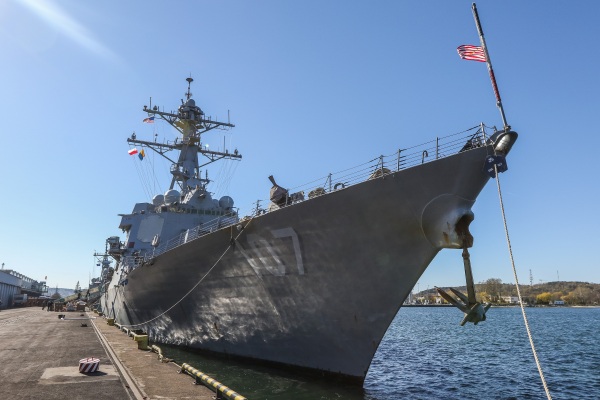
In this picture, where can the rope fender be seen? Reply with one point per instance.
(208, 381)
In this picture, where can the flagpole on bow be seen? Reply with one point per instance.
(488, 61)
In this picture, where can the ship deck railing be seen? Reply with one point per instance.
(226, 220)
(383, 165)
(378, 167)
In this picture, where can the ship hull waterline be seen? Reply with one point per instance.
(314, 285)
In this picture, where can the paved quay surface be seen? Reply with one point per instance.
(39, 359)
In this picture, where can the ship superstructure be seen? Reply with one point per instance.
(187, 205)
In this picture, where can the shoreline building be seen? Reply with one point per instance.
(16, 287)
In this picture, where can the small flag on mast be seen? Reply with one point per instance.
(470, 52)
(142, 154)
(149, 120)
(132, 151)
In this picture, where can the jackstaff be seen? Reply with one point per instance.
(488, 61)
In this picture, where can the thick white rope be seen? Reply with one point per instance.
(537, 361)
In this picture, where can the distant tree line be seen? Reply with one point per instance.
(571, 293)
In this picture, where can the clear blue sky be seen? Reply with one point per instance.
(313, 87)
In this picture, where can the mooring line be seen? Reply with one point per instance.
(512, 261)
(231, 244)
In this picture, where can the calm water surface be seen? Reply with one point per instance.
(427, 355)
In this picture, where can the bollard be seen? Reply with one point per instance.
(142, 341)
(88, 365)
(110, 321)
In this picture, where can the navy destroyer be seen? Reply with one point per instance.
(313, 279)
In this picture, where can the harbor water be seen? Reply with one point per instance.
(426, 354)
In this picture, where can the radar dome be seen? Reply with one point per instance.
(226, 202)
(172, 196)
(158, 199)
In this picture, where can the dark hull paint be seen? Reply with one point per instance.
(312, 285)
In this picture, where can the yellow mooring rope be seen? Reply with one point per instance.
(537, 361)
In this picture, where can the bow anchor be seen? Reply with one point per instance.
(474, 311)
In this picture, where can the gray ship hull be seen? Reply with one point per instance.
(312, 285)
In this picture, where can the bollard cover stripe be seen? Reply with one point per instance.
(88, 365)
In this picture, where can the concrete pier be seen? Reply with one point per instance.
(40, 356)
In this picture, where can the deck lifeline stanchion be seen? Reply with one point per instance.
(201, 377)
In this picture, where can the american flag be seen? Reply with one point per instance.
(470, 52)
(149, 120)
